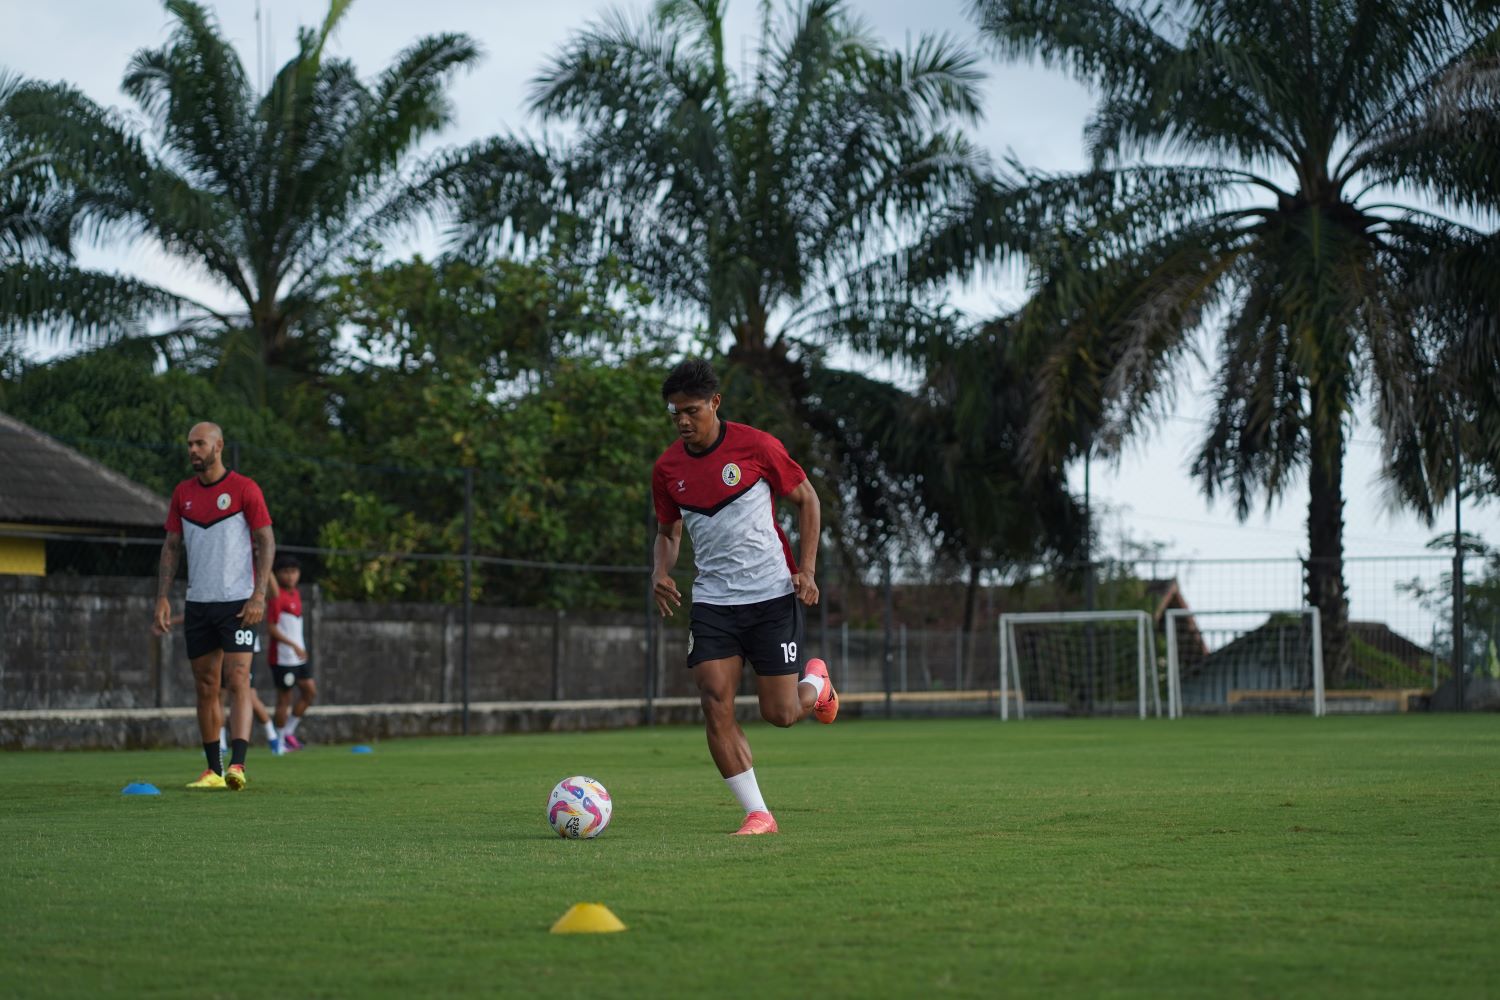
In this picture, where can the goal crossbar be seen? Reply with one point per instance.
(1010, 671)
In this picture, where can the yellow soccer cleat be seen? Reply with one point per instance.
(234, 777)
(208, 779)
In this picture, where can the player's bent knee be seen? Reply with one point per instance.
(781, 715)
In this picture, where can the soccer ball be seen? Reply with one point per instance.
(579, 808)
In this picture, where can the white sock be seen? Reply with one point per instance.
(270, 730)
(817, 684)
(223, 738)
(747, 791)
(291, 725)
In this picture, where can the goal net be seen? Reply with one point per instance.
(1244, 661)
(1078, 663)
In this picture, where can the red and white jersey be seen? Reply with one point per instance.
(285, 612)
(726, 497)
(215, 522)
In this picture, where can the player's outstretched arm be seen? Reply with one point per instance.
(166, 572)
(809, 529)
(263, 541)
(665, 551)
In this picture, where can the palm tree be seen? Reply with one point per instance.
(960, 437)
(38, 276)
(1275, 224)
(753, 201)
(266, 194)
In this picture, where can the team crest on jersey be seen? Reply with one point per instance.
(731, 474)
(223, 501)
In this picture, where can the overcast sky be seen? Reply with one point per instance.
(1034, 113)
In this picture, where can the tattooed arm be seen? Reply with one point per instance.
(166, 572)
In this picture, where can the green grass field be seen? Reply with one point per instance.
(1228, 857)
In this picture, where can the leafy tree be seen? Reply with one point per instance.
(113, 406)
(524, 372)
(265, 194)
(1287, 127)
(1481, 604)
(561, 476)
(750, 203)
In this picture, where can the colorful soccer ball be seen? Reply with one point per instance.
(579, 808)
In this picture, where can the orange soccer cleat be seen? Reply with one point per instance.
(826, 708)
(757, 822)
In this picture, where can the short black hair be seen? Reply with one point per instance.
(694, 377)
(285, 560)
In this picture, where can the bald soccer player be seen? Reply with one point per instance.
(219, 519)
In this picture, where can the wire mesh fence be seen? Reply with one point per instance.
(903, 641)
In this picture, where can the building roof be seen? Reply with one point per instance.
(1388, 658)
(44, 482)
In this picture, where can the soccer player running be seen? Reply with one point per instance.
(722, 479)
(220, 519)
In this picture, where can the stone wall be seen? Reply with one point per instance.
(85, 643)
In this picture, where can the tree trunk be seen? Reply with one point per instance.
(1325, 539)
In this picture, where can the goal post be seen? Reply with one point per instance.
(1078, 663)
(1245, 661)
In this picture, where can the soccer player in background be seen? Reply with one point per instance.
(290, 667)
(219, 519)
(722, 479)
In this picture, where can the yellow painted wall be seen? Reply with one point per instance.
(23, 557)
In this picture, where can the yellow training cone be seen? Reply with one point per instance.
(587, 918)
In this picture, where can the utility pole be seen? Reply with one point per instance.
(1458, 572)
(1090, 640)
(653, 623)
(889, 614)
(468, 584)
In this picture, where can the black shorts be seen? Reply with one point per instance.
(768, 634)
(286, 677)
(211, 625)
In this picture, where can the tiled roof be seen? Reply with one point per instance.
(44, 482)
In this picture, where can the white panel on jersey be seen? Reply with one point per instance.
(739, 551)
(220, 561)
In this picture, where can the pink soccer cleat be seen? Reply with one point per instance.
(826, 708)
(757, 822)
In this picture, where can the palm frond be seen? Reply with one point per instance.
(62, 302)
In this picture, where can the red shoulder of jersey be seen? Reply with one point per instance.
(708, 481)
(206, 506)
(287, 602)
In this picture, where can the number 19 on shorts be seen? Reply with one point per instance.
(788, 652)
